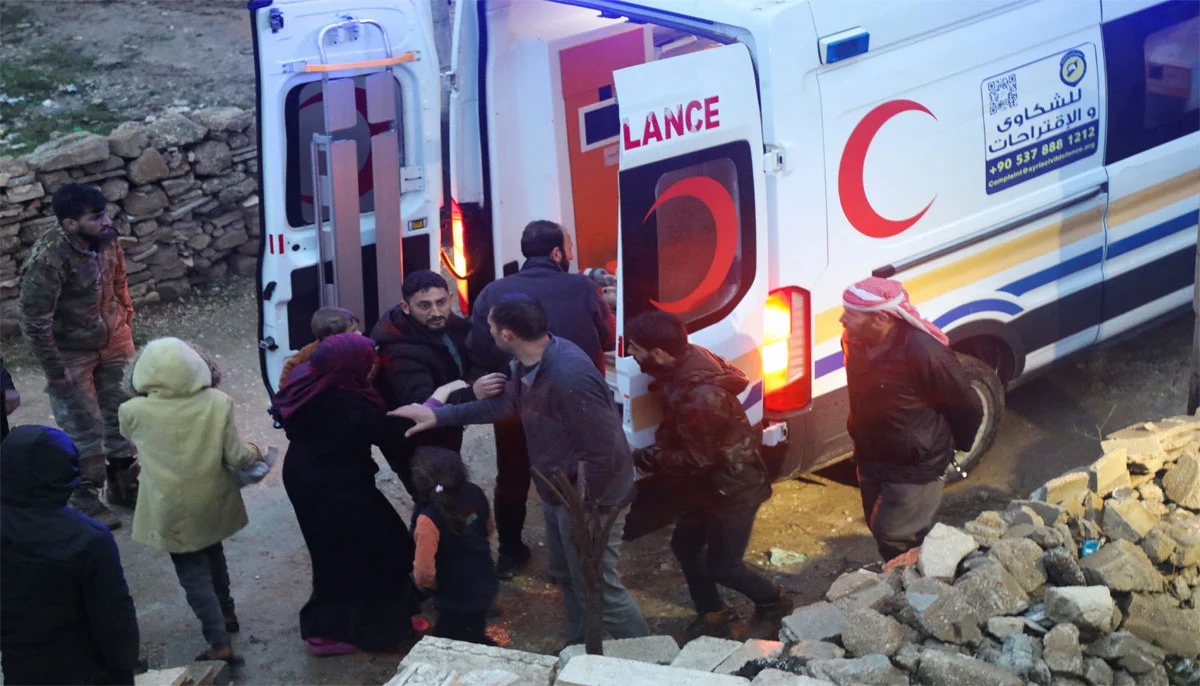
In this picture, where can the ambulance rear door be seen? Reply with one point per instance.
(350, 153)
(692, 215)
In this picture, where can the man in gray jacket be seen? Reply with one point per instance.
(569, 417)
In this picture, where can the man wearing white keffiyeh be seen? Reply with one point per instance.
(911, 407)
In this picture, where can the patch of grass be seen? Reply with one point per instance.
(37, 77)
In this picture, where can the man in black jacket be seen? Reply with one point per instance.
(575, 311)
(422, 345)
(911, 407)
(66, 616)
(706, 445)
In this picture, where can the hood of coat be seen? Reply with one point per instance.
(170, 368)
(39, 467)
(699, 367)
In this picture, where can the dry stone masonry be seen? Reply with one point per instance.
(1094, 580)
(183, 191)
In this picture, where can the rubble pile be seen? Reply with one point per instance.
(183, 191)
(1095, 579)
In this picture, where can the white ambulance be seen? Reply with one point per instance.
(1030, 169)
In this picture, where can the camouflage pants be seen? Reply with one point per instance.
(87, 409)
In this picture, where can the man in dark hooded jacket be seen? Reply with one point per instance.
(707, 444)
(422, 345)
(66, 616)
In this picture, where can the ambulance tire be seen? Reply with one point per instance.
(986, 383)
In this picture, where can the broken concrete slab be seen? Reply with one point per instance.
(1175, 630)
(851, 582)
(1127, 520)
(208, 673)
(428, 675)
(1065, 488)
(1003, 626)
(775, 677)
(1109, 473)
(816, 650)
(942, 669)
(460, 656)
(944, 547)
(600, 670)
(1088, 607)
(1017, 655)
(866, 632)
(752, 649)
(1062, 567)
(872, 596)
(1051, 514)
(813, 622)
(1130, 652)
(1182, 482)
(174, 676)
(659, 650)
(1184, 528)
(875, 670)
(991, 590)
(1061, 650)
(705, 653)
(1158, 546)
(1122, 566)
(943, 612)
(1023, 559)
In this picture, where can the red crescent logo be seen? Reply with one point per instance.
(720, 204)
(850, 176)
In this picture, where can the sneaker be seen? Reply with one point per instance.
(781, 607)
(121, 484)
(716, 624)
(509, 563)
(87, 501)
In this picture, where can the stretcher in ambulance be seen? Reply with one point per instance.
(1030, 169)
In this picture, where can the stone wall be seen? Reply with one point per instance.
(183, 194)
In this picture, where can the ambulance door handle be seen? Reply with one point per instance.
(773, 161)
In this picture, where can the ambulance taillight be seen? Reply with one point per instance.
(458, 256)
(787, 350)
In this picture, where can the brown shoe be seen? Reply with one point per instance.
(121, 485)
(715, 624)
(87, 501)
(222, 653)
(780, 608)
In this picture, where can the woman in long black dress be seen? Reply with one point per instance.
(362, 553)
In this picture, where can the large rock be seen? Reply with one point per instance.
(943, 612)
(144, 201)
(990, 591)
(1096, 671)
(1062, 569)
(869, 669)
(777, 677)
(1063, 489)
(813, 650)
(658, 650)
(533, 669)
(1127, 520)
(128, 140)
(1090, 608)
(211, 158)
(704, 653)
(942, 669)
(866, 632)
(223, 118)
(1109, 473)
(148, 167)
(1122, 566)
(1130, 652)
(752, 649)
(1061, 650)
(1016, 655)
(944, 547)
(71, 150)
(1184, 528)
(1023, 559)
(230, 240)
(817, 622)
(1182, 482)
(1175, 630)
(174, 129)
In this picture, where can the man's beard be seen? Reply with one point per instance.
(654, 368)
(563, 264)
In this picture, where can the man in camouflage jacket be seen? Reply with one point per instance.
(706, 444)
(76, 315)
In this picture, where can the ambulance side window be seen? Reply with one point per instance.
(1153, 62)
(688, 234)
(304, 115)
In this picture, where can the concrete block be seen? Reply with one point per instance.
(175, 676)
(817, 650)
(750, 650)
(1121, 566)
(869, 669)
(704, 653)
(1109, 472)
(942, 669)
(1127, 520)
(659, 650)
(818, 621)
(599, 670)
(461, 657)
(775, 677)
(1088, 607)
(943, 549)
(1175, 630)
(1065, 488)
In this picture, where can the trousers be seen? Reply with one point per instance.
(204, 576)
(512, 484)
(898, 514)
(710, 543)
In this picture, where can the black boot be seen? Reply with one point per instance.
(121, 486)
(510, 561)
(86, 500)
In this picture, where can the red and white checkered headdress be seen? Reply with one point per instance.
(885, 295)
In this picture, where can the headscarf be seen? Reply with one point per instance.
(885, 295)
(340, 361)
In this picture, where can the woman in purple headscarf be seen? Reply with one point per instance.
(361, 551)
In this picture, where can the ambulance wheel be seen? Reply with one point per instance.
(986, 383)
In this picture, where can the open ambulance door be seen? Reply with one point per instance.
(693, 223)
(350, 155)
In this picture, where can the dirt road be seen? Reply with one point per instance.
(1051, 426)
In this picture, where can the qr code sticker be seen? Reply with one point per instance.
(1002, 94)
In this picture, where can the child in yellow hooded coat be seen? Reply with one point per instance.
(189, 500)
